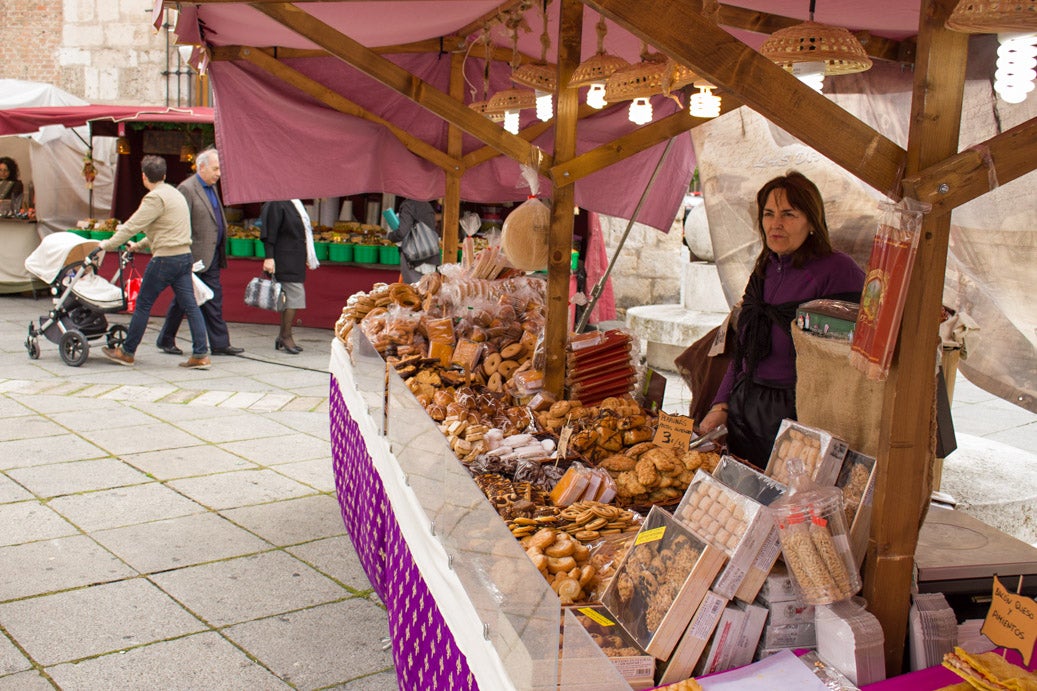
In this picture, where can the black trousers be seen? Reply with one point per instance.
(212, 312)
(755, 411)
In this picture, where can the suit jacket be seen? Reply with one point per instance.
(284, 238)
(204, 228)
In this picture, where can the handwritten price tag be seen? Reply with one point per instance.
(1011, 621)
(674, 431)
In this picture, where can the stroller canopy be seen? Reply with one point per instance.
(57, 251)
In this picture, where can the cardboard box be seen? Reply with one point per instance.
(778, 586)
(660, 583)
(789, 636)
(735, 639)
(857, 482)
(821, 452)
(790, 612)
(689, 650)
(636, 667)
(729, 521)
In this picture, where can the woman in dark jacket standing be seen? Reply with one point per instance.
(288, 243)
(412, 211)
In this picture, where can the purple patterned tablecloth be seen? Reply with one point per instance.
(424, 650)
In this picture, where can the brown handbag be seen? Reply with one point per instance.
(703, 364)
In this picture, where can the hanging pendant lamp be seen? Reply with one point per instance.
(1015, 24)
(595, 70)
(540, 76)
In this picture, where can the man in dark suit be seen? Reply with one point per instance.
(208, 240)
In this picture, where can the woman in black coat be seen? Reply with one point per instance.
(288, 243)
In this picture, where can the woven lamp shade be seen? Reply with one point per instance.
(597, 68)
(991, 17)
(480, 108)
(840, 50)
(642, 80)
(511, 99)
(536, 76)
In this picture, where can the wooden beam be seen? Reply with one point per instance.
(629, 144)
(977, 170)
(906, 446)
(339, 102)
(560, 238)
(396, 78)
(711, 52)
(452, 193)
(529, 133)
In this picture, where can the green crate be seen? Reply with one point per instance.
(365, 254)
(389, 254)
(340, 252)
(101, 234)
(260, 249)
(321, 250)
(81, 232)
(241, 247)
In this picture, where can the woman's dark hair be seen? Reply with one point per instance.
(12, 167)
(803, 196)
(154, 168)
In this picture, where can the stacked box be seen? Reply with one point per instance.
(729, 521)
(735, 639)
(821, 452)
(622, 651)
(857, 482)
(693, 643)
(755, 485)
(790, 621)
(660, 583)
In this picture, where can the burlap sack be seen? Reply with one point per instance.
(834, 396)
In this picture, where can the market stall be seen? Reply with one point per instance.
(603, 163)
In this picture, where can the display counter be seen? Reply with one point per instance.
(18, 238)
(466, 607)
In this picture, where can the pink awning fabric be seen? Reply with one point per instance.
(29, 120)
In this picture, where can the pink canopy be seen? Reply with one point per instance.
(28, 120)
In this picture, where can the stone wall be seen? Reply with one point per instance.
(104, 51)
(648, 271)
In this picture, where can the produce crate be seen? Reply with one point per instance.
(321, 250)
(241, 247)
(339, 252)
(389, 254)
(101, 234)
(365, 254)
(260, 249)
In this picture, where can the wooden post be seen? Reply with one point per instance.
(560, 241)
(452, 195)
(906, 448)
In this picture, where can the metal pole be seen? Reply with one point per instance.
(599, 287)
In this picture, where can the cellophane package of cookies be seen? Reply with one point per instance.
(731, 522)
(660, 583)
(815, 542)
(637, 668)
(857, 482)
(821, 452)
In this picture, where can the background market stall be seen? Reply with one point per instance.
(327, 66)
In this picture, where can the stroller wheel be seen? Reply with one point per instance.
(116, 336)
(74, 348)
(32, 343)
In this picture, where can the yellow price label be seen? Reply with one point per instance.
(653, 535)
(675, 432)
(596, 616)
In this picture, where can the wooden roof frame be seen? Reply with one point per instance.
(929, 169)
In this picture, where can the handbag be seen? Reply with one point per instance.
(202, 292)
(264, 292)
(421, 244)
(133, 281)
(703, 366)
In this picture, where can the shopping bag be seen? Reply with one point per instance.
(263, 292)
(202, 292)
(421, 244)
(132, 287)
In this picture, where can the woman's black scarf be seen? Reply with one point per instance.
(755, 321)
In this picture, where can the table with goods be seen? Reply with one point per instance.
(18, 238)
(523, 540)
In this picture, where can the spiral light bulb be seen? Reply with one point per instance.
(1016, 59)
(596, 95)
(703, 104)
(545, 106)
(810, 73)
(640, 112)
(511, 121)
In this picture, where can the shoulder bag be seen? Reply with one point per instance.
(421, 244)
(264, 292)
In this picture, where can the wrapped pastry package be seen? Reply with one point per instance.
(820, 451)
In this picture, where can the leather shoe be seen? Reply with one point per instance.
(118, 355)
(197, 362)
(229, 350)
(170, 350)
(290, 349)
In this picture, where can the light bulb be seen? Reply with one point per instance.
(545, 106)
(704, 104)
(596, 95)
(640, 112)
(1016, 59)
(810, 73)
(511, 121)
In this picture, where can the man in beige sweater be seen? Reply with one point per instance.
(165, 220)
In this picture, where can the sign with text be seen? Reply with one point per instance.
(674, 431)
(1012, 621)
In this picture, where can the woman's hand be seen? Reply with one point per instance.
(268, 265)
(716, 416)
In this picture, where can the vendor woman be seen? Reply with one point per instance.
(10, 185)
(795, 265)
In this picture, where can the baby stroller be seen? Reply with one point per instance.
(69, 264)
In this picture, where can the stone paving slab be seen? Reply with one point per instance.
(77, 476)
(179, 542)
(91, 417)
(205, 661)
(25, 681)
(23, 453)
(12, 491)
(28, 427)
(71, 562)
(237, 590)
(335, 557)
(188, 461)
(30, 521)
(282, 449)
(293, 521)
(293, 645)
(149, 437)
(239, 488)
(11, 659)
(234, 426)
(90, 621)
(314, 473)
(115, 508)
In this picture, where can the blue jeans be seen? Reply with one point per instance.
(161, 273)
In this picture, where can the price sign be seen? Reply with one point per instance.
(1012, 621)
(674, 431)
(563, 441)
